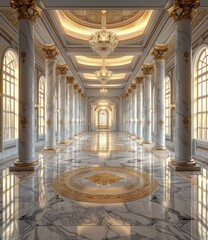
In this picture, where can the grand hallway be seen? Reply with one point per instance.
(31, 209)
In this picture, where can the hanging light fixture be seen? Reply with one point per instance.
(103, 90)
(103, 74)
(103, 41)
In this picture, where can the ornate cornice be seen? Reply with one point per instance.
(25, 9)
(70, 79)
(62, 69)
(147, 68)
(139, 79)
(50, 51)
(183, 9)
(159, 50)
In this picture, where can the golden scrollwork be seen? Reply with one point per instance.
(50, 51)
(161, 122)
(23, 121)
(76, 86)
(133, 86)
(104, 178)
(159, 50)
(186, 122)
(23, 56)
(139, 79)
(186, 56)
(183, 9)
(62, 69)
(25, 9)
(70, 79)
(48, 122)
(147, 69)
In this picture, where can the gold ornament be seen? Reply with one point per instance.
(158, 51)
(62, 69)
(104, 178)
(147, 69)
(50, 51)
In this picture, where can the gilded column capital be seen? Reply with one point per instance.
(139, 79)
(82, 94)
(129, 90)
(79, 90)
(147, 68)
(126, 94)
(133, 86)
(158, 51)
(183, 9)
(76, 86)
(50, 51)
(62, 69)
(70, 79)
(25, 9)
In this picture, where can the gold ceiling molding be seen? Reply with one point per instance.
(109, 62)
(115, 18)
(118, 76)
(79, 31)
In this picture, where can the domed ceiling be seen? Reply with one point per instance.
(127, 24)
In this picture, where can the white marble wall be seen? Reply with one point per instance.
(26, 91)
(147, 108)
(159, 102)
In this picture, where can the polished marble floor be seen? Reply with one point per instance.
(30, 209)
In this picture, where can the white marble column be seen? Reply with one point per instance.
(26, 160)
(158, 51)
(70, 82)
(139, 83)
(147, 71)
(79, 110)
(50, 88)
(61, 72)
(130, 111)
(76, 87)
(133, 104)
(183, 140)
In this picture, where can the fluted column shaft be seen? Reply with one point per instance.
(147, 71)
(139, 82)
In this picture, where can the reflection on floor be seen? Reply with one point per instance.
(31, 210)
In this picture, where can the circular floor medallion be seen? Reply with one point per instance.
(104, 184)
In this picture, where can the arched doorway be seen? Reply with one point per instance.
(103, 119)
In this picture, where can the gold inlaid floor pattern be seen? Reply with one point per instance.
(104, 184)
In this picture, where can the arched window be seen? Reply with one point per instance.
(167, 106)
(41, 103)
(10, 96)
(202, 95)
(103, 118)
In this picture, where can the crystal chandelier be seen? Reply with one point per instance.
(103, 41)
(103, 90)
(103, 74)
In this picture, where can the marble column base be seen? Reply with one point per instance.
(146, 142)
(159, 148)
(185, 167)
(51, 149)
(25, 168)
(63, 142)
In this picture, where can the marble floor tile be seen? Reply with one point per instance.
(29, 209)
